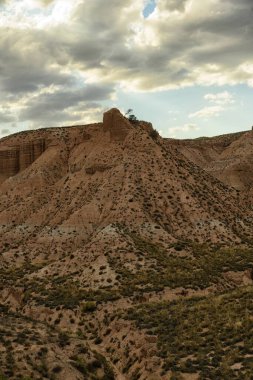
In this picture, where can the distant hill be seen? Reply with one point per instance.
(228, 158)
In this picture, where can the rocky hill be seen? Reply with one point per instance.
(109, 237)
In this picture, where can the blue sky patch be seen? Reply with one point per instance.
(149, 8)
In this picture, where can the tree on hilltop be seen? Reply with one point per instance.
(131, 117)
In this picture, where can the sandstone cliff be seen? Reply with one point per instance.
(15, 158)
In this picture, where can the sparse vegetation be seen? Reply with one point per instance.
(211, 336)
(202, 267)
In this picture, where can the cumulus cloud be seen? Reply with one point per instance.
(49, 48)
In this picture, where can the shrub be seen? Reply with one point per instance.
(63, 339)
(154, 134)
(89, 306)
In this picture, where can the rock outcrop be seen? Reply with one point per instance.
(116, 124)
(15, 158)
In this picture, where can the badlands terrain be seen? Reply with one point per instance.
(124, 255)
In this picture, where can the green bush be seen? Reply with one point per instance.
(89, 307)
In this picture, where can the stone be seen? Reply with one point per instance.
(116, 124)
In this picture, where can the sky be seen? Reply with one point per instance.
(184, 65)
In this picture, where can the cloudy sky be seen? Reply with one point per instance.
(184, 65)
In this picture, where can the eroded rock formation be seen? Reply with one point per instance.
(15, 158)
(116, 124)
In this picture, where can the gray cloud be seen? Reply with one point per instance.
(101, 32)
(173, 5)
(6, 117)
(55, 106)
(25, 63)
(5, 131)
(114, 45)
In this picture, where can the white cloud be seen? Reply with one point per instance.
(36, 14)
(221, 101)
(207, 112)
(221, 98)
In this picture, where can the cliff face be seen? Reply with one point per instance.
(14, 159)
(9, 161)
